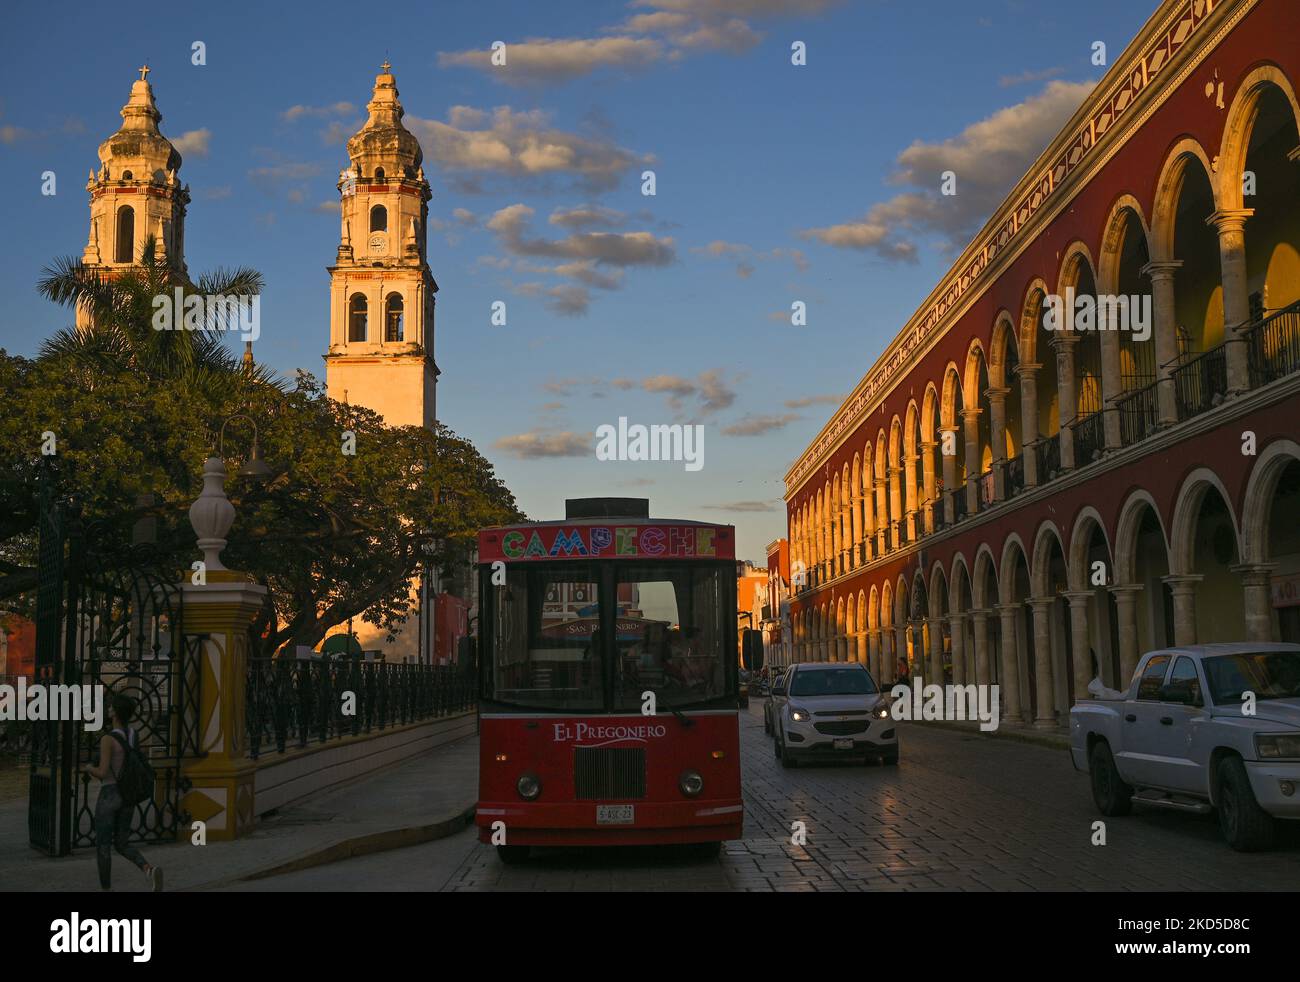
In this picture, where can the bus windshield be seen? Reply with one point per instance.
(599, 636)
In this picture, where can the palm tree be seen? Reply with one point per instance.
(120, 332)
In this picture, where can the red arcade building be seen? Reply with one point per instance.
(1004, 499)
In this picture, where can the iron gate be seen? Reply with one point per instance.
(111, 618)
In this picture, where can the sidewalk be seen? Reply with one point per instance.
(1057, 737)
(424, 798)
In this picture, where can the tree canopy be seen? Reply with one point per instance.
(131, 418)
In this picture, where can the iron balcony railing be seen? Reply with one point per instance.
(958, 505)
(1089, 439)
(1139, 414)
(292, 702)
(1274, 346)
(986, 487)
(1201, 383)
(1015, 475)
(1048, 453)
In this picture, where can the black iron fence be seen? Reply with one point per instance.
(294, 702)
(1274, 346)
(986, 488)
(1089, 439)
(1015, 475)
(1139, 414)
(1201, 383)
(1048, 452)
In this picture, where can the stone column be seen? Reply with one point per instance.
(957, 629)
(1183, 588)
(873, 654)
(1009, 613)
(928, 478)
(900, 648)
(1231, 226)
(882, 514)
(971, 422)
(860, 648)
(1257, 594)
(949, 473)
(855, 528)
(1164, 302)
(1045, 690)
(895, 505)
(911, 499)
(1066, 385)
(935, 672)
(980, 630)
(1029, 420)
(998, 433)
(1111, 383)
(1126, 607)
(1080, 641)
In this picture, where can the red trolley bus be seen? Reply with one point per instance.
(608, 681)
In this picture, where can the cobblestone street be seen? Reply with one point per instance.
(960, 813)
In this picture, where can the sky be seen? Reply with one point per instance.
(775, 184)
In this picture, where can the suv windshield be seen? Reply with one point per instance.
(1268, 674)
(832, 682)
(601, 636)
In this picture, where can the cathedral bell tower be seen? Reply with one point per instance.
(136, 193)
(381, 289)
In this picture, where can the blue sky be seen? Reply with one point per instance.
(775, 183)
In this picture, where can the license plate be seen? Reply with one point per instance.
(843, 744)
(615, 814)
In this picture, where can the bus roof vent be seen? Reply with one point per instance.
(575, 508)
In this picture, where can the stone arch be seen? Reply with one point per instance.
(1168, 190)
(937, 591)
(952, 392)
(1112, 240)
(1031, 311)
(1077, 258)
(1047, 533)
(1187, 509)
(1004, 334)
(1012, 547)
(1239, 124)
(1126, 533)
(873, 610)
(1257, 503)
(984, 566)
(960, 573)
(1080, 576)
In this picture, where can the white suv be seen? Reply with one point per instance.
(832, 710)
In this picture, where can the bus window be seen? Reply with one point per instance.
(546, 641)
(670, 636)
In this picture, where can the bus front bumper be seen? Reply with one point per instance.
(575, 823)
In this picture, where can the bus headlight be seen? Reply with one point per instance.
(691, 783)
(529, 786)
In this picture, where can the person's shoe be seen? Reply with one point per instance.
(156, 878)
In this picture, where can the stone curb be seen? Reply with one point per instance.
(360, 845)
(1056, 741)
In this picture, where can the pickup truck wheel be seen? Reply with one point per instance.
(1246, 826)
(776, 744)
(1112, 795)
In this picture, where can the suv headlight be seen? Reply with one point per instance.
(800, 715)
(1272, 746)
(881, 711)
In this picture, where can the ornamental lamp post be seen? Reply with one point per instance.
(212, 514)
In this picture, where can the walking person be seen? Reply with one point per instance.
(112, 814)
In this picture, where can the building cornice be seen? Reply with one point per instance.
(1179, 34)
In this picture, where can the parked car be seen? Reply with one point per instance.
(831, 710)
(775, 693)
(1201, 727)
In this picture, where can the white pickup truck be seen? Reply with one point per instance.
(1200, 727)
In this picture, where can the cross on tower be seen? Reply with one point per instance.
(144, 70)
(386, 66)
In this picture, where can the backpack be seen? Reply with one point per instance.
(136, 779)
